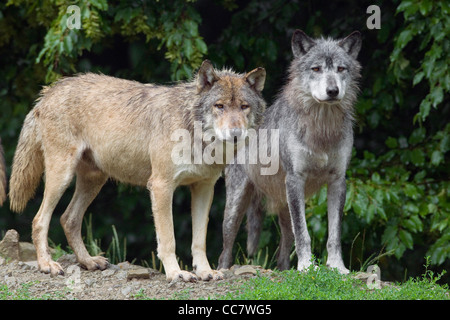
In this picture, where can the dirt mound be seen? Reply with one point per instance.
(119, 282)
(21, 279)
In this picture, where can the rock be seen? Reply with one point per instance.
(141, 273)
(9, 246)
(27, 251)
(121, 275)
(67, 260)
(113, 266)
(227, 273)
(108, 273)
(24, 265)
(10, 281)
(125, 291)
(32, 264)
(247, 269)
(89, 282)
(124, 265)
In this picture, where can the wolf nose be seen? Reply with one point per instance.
(332, 92)
(235, 132)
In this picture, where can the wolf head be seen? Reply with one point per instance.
(230, 103)
(326, 70)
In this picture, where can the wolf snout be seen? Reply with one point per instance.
(332, 91)
(235, 133)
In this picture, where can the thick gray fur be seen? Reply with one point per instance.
(314, 116)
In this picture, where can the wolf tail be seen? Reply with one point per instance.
(28, 165)
(2, 177)
(255, 219)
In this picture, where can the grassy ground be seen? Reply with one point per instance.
(321, 283)
(318, 283)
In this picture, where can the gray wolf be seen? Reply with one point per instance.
(2, 176)
(97, 127)
(314, 116)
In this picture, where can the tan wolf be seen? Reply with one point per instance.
(2, 176)
(98, 127)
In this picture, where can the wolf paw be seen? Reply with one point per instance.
(181, 275)
(95, 263)
(52, 267)
(208, 275)
(304, 265)
(342, 269)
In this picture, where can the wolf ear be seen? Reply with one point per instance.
(352, 44)
(206, 76)
(301, 43)
(256, 78)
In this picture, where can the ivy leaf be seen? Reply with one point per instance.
(391, 143)
(201, 46)
(361, 203)
(417, 136)
(406, 238)
(425, 6)
(349, 197)
(404, 38)
(417, 157)
(188, 48)
(418, 77)
(437, 96)
(411, 191)
(68, 45)
(436, 158)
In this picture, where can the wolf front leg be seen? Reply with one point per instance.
(238, 196)
(295, 192)
(161, 192)
(202, 195)
(336, 200)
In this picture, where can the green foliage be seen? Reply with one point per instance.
(426, 26)
(398, 180)
(174, 25)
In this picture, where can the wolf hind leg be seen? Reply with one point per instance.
(286, 240)
(239, 192)
(58, 175)
(255, 218)
(89, 181)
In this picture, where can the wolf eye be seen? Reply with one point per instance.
(218, 106)
(340, 69)
(315, 69)
(245, 106)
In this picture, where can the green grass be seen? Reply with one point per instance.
(22, 292)
(321, 283)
